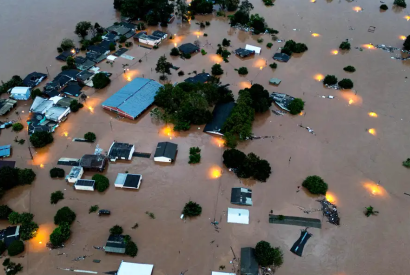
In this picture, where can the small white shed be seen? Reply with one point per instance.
(75, 174)
(237, 215)
(257, 50)
(85, 185)
(132, 181)
(127, 268)
(149, 40)
(20, 93)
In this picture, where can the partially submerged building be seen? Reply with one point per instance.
(238, 215)
(125, 180)
(6, 105)
(255, 49)
(134, 269)
(166, 152)
(241, 196)
(75, 174)
(244, 52)
(20, 93)
(57, 114)
(37, 122)
(283, 57)
(120, 150)
(64, 55)
(93, 162)
(199, 78)
(84, 76)
(83, 63)
(149, 40)
(160, 34)
(84, 185)
(10, 234)
(188, 48)
(33, 79)
(220, 114)
(72, 89)
(282, 100)
(5, 151)
(115, 244)
(249, 265)
(299, 245)
(133, 99)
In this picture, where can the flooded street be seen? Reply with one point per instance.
(343, 152)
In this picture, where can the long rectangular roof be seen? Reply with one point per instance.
(5, 150)
(166, 149)
(219, 115)
(134, 97)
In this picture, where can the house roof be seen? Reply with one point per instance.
(5, 150)
(249, 266)
(83, 63)
(253, 48)
(119, 52)
(115, 244)
(92, 161)
(7, 163)
(72, 89)
(135, 269)
(159, 34)
(141, 33)
(96, 49)
(149, 37)
(111, 37)
(282, 100)
(188, 48)
(219, 115)
(33, 79)
(64, 102)
(281, 57)
(120, 30)
(96, 57)
(84, 75)
(242, 196)
(244, 52)
(37, 122)
(83, 182)
(41, 105)
(10, 234)
(166, 149)
(134, 97)
(199, 78)
(128, 180)
(20, 90)
(237, 215)
(75, 172)
(71, 73)
(275, 81)
(120, 150)
(55, 112)
(221, 273)
(6, 105)
(64, 55)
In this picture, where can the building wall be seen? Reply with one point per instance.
(117, 111)
(162, 159)
(84, 188)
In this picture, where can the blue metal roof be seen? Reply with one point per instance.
(134, 97)
(5, 150)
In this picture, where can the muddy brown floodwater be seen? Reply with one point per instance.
(343, 152)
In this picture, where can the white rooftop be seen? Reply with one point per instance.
(41, 105)
(237, 215)
(253, 48)
(222, 273)
(20, 90)
(135, 269)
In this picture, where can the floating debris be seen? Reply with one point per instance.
(330, 211)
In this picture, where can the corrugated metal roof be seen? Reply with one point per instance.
(135, 97)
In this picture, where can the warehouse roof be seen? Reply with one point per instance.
(249, 266)
(135, 97)
(241, 196)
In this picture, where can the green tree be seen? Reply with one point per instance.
(8, 178)
(400, 3)
(349, 69)
(28, 230)
(15, 248)
(182, 9)
(406, 163)
(5, 211)
(230, 140)
(406, 44)
(117, 4)
(226, 42)
(2, 247)
(70, 63)
(346, 83)
(90, 136)
(82, 28)
(262, 170)
(41, 139)
(217, 70)
(101, 80)
(266, 255)
(17, 127)
(201, 6)
(116, 230)
(92, 209)
(56, 196)
(11, 268)
(131, 249)
(101, 182)
(370, 211)
(26, 176)
(192, 209)
(123, 39)
(63, 215)
(26, 217)
(384, 7)
(174, 52)
(315, 185)
(163, 67)
(35, 93)
(240, 17)
(14, 218)
(60, 234)
(243, 71)
(296, 106)
(330, 80)
(258, 23)
(260, 98)
(232, 5)
(233, 158)
(67, 44)
(345, 46)
(112, 47)
(57, 172)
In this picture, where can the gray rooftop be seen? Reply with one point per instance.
(135, 97)
(242, 196)
(166, 149)
(249, 266)
(85, 182)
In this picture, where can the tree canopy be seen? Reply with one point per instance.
(131, 249)
(5, 211)
(266, 255)
(192, 209)
(201, 6)
(56, 197)
(11, 177)
(101, 182)
(293, 47)
(41, 139)
(163, 67)
(90, 136)
(57, 172)
(60, 234)
(63, 215)
(15, 248)
(152, 11)
(345, 83)
(315, 185)
(13, 82)
(101, 80)
(217, 69)
(345, 45)
(116, 230)
(260, 98)
(406, 45)
(296, 106)
(330, 80)
(82, 28)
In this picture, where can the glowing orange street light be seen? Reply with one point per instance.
(261, 67)
(315, 34)
(319, 77)
(351, 101)
(330, 197)
(91, 109)
(372, 131)
(372, 114)
(313, 1)
(41, 165)
(73, 51)
(402, 37)
(369, 46)
(407, 17)
(301, 113)
(335, 52)
(129, 78)
(65, 133)
(175, 44)
(357, 9)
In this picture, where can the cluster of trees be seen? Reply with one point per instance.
(230, 5)
(101, 80)
(194, 155)
(15, 81)
(242, 16)
(192, 209)
(151, 11)
(17, 127)
(70, 64)
(11, 268)
(243, 71)
(315, 185)
(217, 69)
(296, 106)
(75, 105)
(400, 3)
(293, 47)
(188, 103)
(101, 182)
(56, 197)
(266, 255)
(239, 123)
(57, 172)
(247, 166)
(84, 27)
(12, 177)
(28, 228)
(90, 136)
(406, 45)
(201, 7)
(164, 67)
(345, 83)
(66, 45)
(35, 93)
(63, 218)
(349, 69)
(345, 45)
(131, 248)
(41, 139)
(224, 53)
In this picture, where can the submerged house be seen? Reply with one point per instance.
(5, 151)
(83, 63)
(160, 34)
(75, 174)
(134, 269)
(249, 265)
(33, 79)
(93, 162)
(115, 244)
(20, 93)
(238, 215)
(282, 100)
(199, 78)
(244, 52)
(10, 234)
(37, 122)
(120, 150)
(6, 105)
(241, 196)
(281, 57)
(149, 40)
(84, 185)
(166, 152)
(188, 48)
(257, 50)
(125, 180)
(220, 114)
